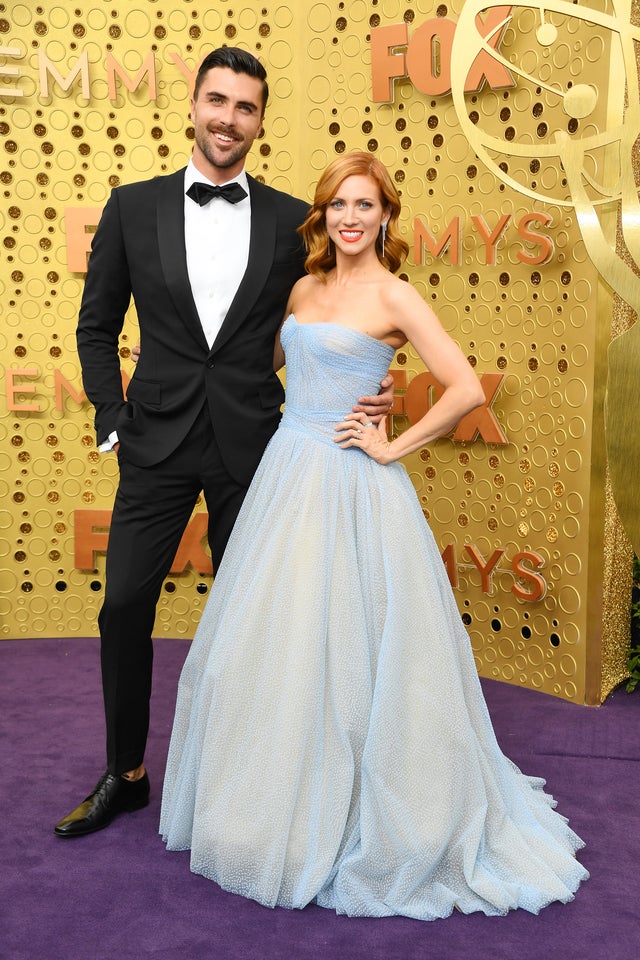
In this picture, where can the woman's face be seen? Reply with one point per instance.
(354, 215)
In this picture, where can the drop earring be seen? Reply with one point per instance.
(383, 226)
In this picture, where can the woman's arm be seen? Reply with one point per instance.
(278, 352)
(445, 360)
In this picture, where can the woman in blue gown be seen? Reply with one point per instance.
(331, 743)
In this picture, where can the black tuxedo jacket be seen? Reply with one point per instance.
(139, 250)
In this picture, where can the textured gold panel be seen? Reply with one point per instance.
(93, 96)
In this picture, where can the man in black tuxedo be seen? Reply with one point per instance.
(209, 255)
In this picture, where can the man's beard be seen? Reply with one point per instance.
(228, 159)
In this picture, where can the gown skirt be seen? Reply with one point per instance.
(331, 742)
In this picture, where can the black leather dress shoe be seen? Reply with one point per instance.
(111, 796)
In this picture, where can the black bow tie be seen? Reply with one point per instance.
(203, 192)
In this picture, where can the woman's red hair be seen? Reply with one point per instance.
(314, 231)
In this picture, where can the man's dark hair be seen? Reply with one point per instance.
(240, 61)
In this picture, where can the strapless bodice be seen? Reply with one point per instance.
(329, 366)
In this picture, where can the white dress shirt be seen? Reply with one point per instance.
(217, 240)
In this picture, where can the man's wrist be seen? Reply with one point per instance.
(110, 444)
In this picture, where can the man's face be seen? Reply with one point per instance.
(227, 117)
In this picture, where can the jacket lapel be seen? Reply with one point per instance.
(261, 252)
(173, 253)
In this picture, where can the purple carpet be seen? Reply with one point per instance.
(118, 893)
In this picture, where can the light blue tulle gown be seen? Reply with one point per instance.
(331, 743)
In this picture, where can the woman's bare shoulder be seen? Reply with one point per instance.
(399, 295)
(302, 289)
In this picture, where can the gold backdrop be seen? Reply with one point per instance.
(96, 95)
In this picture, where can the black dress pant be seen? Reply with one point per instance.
(152, 508)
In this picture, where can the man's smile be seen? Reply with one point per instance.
(224, 137)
